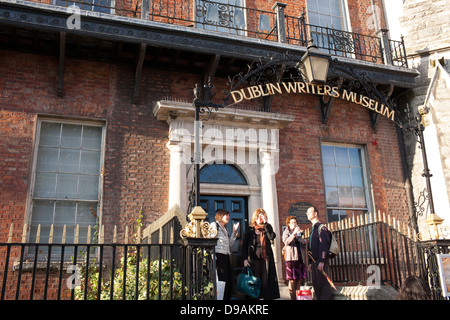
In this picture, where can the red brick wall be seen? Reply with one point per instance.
(135, 178)
(300, 177)
(136, 159)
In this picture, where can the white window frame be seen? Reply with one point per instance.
(365, 174)
(345, 18)
(99, 199)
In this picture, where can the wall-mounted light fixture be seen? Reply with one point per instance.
(314, 65)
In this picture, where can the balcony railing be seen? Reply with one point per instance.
(234, 18)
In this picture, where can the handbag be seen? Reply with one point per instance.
(248, 284)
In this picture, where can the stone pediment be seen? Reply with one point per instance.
(170, 110)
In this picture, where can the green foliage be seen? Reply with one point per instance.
(145, 277)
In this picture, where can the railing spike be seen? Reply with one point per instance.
(115, 234)
(102, 234)
(63, 241)
(138, 235)
(77, 232)
(24, 233)
(50, 235)
(11, 227)
(88, 236)
(38, 234)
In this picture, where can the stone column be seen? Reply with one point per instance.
(270, 202)
(177, 179)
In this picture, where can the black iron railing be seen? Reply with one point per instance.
(91, 272)
(107, 271)
(235, 18)
(429, 257)
(375, 251)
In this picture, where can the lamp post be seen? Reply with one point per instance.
(433, 221)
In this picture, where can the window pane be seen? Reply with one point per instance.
(357, 177)
(45, 184)
(328, 155)
(92, 137)
(330, 176)
(345, 197)
(341, 156)
(335, 7)
(324, 6)
(312, 5)
(47, 159)
(102, 6)
(343, 175)
(90, 162)
(42, 212)
(313, 18)
(50, 134)
(336, 215)
(69, 161)
(332, 196)
(355, 157)
(86, 214)
(67, 186)
(359, 198)
(88, 187)
(65, 213)
(71, 136)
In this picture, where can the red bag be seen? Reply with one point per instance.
(304, 294)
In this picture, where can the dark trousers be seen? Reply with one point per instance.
(322, 287)
(225, 273)
(261, 270)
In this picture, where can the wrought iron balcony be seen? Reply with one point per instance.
(270, 24)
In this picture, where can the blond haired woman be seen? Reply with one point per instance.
(258, 255)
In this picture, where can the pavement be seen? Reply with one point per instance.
(284, 291)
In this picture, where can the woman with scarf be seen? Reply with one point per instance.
(258, 255)
(295, 268)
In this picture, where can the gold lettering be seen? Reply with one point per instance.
(320, 90)
(289, 87)
(335, 92)
(327, 90)
(249, 91)
(274, 88)
(348, 96)
(389, 113)
(233, 93)
(381, 107)
(256, 92)
(365, 102)
(301, 86)
(360, 99)
(262, 91)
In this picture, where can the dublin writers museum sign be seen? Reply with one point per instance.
(300, 87)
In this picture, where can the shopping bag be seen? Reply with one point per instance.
(304, 293)
(220, 289)
(248, 284)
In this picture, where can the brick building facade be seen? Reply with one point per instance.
(89, 117)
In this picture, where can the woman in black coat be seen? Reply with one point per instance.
(257, 253)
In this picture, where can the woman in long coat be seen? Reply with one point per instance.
(257, 253)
